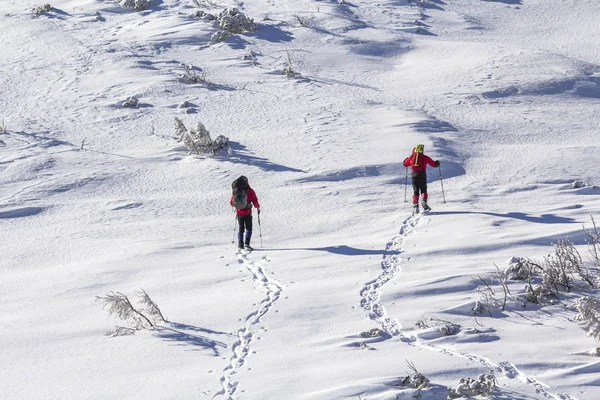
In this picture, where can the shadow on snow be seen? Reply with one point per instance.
(238, 155)
(341, 249)
(177, 334)
(542, 219)
(271, 33)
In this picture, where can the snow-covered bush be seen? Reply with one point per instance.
(41, 10)
(289, 69)
(374, 332)
(593, 236)
(303, 21)
(478, 308)
(415, 379)
(539, 294)
(131, 102)
(198, 140)
(595, 352)
(251, 56)
(137, 5)
(219, 36)
(232, 22)
(519, 269)
(468, 387)
(119, 305)
(193, 74)
(205, 16)
(588, 317)
(561, 266)
(220, 143)
(449, 329)
(492, 296)
(187, 107)
(205, 3)
(560, 270)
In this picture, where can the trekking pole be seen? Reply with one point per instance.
(442, 182)
(234, 227)
(260, 231)
(405, 184)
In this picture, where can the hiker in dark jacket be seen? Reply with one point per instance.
(243, 198)
(418, 162)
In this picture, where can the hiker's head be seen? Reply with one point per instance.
(420, 148)
(242, 178)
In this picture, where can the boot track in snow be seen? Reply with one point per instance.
(241, 348)
(374, 309)
(371, 292)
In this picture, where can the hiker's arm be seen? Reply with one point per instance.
(254, 199)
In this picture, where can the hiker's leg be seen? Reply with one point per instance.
(248, 220)
(423, 186)
(241, 225)
(415, 185)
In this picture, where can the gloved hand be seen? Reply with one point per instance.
(258, 211)
(436, 163)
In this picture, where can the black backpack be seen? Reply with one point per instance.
(240, 193)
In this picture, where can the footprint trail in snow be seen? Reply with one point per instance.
(374, 309)
(391, 266)
(242, 346)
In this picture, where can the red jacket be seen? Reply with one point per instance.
(418, 162)
(252, 199)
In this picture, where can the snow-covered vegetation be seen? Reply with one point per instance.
(117, 154)
(137, 5)
(41, 10)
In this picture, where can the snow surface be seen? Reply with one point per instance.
(97, 198)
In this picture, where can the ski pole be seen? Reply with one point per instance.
(405, 184)
(260, 231)
(442, 182)
(234, 227)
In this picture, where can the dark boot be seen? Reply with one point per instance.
(240, 240)
(415, 208)
(425, 206)
(247, 239)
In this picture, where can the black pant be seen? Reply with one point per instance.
(419, 184)
(245, 224)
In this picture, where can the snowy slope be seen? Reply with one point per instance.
(97, 198)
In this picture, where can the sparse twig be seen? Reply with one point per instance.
(594, 250)
(205, 3)
(151, 307)
(503, 279)
(302, 20)
(415, 379)
(290, 63)
(194, 75)
(119, 305)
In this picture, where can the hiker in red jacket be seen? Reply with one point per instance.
(418, 162)
(243, 198)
